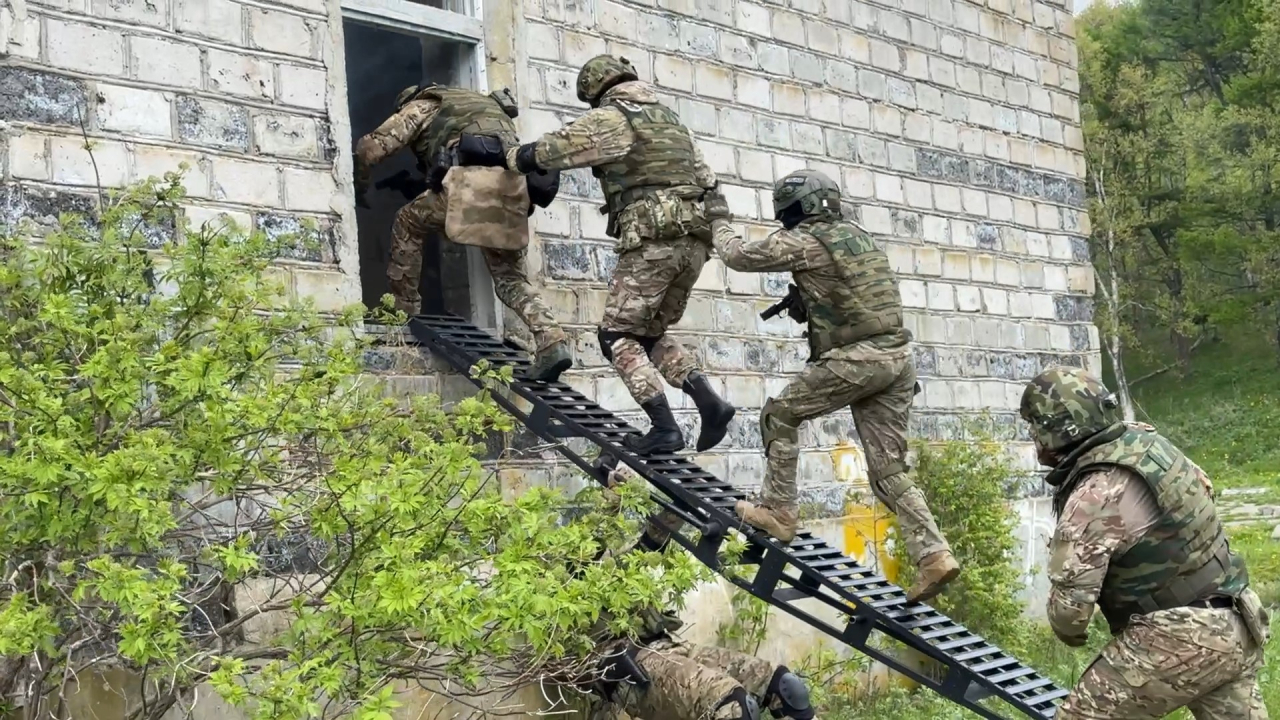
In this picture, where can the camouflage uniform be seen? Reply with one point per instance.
(860, 359)
(417, 125)
(1138, 535)
(655, 182)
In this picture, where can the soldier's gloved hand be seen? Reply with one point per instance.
(481, 151)
(715, 206)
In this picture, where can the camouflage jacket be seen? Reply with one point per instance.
(393, 135)
(823, 282)
(602, 136)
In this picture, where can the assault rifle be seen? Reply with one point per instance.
(792, 305)
(405, 183)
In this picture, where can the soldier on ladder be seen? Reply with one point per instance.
(860, 359)
(473, 206)
(660, 197)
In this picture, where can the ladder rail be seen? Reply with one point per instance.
(557, 412)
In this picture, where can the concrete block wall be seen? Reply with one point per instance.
(240, 92)
(954, 130)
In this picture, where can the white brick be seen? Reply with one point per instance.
(617, 19)
(742, 283)
(326, 288)
(855, 113)
(1020, 304)
(713, 81)
(788, 27)
(74, 46)
(73, 165)
(217, 220)
(164, 62)
(1055, 278)
(886, 120)
(822, 37)
(742, 201)
(133, 111)
(553, 220)
(786, 98)
(302, 86)
(29, 156)
(752, 90)
(928, 261)
(217, 19)
(975, 201)
(855, 47)
(672, 72)
(19, 37)
(314, 6)
(877, 220)
(755, 165)
(947, 198)
(1042, 306)
(937, 230)
(152, 161)
(995, 302)
(914, 293)
(245, 182)
(889, 188)
(140, 12)
(1059, 337)
(955, 265)
(968, 298)
(591, 223)
(1000, 207)
(784, 165)
(287, 135)
(282, 32)
(720, 158)
(858, 183)
(901, 259)
(885, 56)
(752, 18)
(824, 106)
(942, 296)
(237, 74)
(1008, 272)
(918, 194)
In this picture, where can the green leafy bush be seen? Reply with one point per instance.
(199, 483)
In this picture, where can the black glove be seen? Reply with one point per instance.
(481, 151)
(543, 186)
(715, 206)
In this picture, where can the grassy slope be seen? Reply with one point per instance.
(1226, 415)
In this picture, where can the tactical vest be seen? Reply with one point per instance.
(863, 300)
(1184, 557)
(662, 156)
(460, 111)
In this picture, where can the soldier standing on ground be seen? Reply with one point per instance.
(485, 209)
(1138, 535)
(860, 358)
(659, 194)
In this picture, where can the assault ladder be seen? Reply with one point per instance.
(973, 669)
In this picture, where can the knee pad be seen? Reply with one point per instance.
(776, 423)
(791, 694)
(746, 705)
(891, 479)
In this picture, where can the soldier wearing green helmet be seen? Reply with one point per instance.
(660, 198)
(1138, 535)
(468, 207)
(860, 358)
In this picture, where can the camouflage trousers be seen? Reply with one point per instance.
(688, 681)
(878, 385)
(1203, 659)
(647, 295)
(425, 214)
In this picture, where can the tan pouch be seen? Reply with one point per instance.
(1256, 617)
(486, 207)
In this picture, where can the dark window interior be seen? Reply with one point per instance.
(380, 63)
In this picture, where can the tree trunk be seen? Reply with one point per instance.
(1177, 311)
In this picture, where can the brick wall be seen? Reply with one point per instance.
(953, 129)
(240, 92)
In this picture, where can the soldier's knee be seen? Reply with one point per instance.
(609, 338)
(777, 423)
(737, 705)
(788, 696)
(891, 479)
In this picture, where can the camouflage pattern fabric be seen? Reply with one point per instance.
(1065, 405)
(863, 302)
(511, 284)
(661, 157)
(878, 385)
(875, 378)
(486, 207)
(1202, 659)
(599, 72)
(688, 681)
(393, 135)
(461, 111)
(647, 295)
(1161, 561)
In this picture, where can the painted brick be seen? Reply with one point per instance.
(217, 19)
(84, 48)
(29, 157)
(241, 75)
(72, 163)
(153, 161)
(132, 111)
(240, 181)
(282, 32)
(165, 63)
(302, 86)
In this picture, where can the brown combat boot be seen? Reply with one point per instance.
(935, 571)
(779, 523)
(550, 362)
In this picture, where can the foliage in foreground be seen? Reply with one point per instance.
(190, 458)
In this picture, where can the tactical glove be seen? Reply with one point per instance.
(715, 206)
(481, 151)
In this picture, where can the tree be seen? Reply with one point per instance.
(179, 435)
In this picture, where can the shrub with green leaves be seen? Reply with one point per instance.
(200, 483)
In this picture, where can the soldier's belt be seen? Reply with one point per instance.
(1186, 589)
(849, 334)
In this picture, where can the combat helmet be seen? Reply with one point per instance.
(601, 73)
(1065, 406)
(804, 194)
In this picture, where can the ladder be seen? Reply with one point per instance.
(808, 568)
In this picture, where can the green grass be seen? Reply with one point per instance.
(1225, 414)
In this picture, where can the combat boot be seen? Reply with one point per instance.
(664, 435)
(934, 572)
(550, 362)
(779, 523)
(715, 412)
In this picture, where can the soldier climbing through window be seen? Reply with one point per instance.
(485, 207)
(860, 358)
(660, 197)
